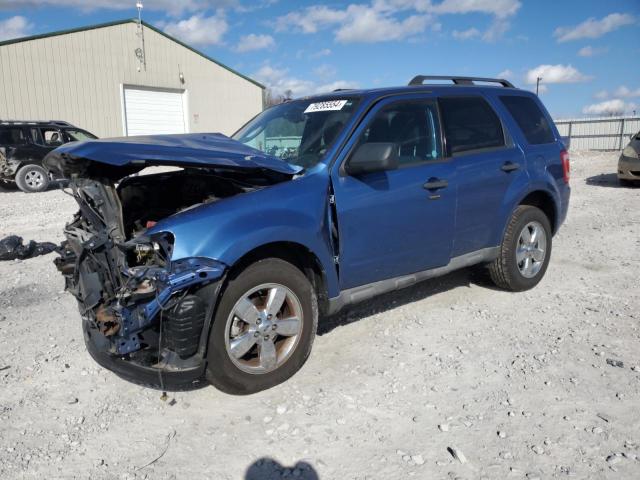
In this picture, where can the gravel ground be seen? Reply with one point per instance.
(448, 379)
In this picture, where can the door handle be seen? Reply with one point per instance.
(510, 167)
(435, 184)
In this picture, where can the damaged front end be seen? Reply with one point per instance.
(146, 315)
(138, 307)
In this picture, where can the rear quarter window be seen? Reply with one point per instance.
(12, 136)
(529, 117)
(470, 124)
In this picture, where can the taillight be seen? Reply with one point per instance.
(566, 166)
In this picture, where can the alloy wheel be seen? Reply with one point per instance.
(531, 249)
(34, 179)
(264, 328)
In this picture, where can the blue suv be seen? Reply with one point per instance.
(220, 267)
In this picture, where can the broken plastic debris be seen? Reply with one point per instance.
(615, 363)
(12, 248)
(457, 454)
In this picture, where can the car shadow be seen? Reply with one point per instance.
(606, 180)
(460, 278)
(53, 185)
(267, 468)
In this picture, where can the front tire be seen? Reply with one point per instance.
(525, 250)
(263, 328)
(32, 179)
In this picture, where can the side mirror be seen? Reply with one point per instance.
(373, 157)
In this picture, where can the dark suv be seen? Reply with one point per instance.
(23, 145)
(224, 266)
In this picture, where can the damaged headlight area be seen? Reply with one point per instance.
(138, 305)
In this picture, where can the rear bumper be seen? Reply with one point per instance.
(628, 168)
(161, 379)
(565, 194)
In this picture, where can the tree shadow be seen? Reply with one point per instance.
(269, 469)
(476, 275)
(607, 180)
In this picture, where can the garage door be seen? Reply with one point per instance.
(149, 112)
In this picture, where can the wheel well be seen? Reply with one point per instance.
(294, 253)
(544, 202)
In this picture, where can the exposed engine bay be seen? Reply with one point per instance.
(136, 302)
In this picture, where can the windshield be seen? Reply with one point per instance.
(298, 132)
(79, 135)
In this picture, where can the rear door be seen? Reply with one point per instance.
(542, 149)
(14, 145)
(487, 164)
(390, 224)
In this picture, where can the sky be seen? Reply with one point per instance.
(587, 52)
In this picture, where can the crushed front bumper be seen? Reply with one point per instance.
(158, 340)
(145, 375)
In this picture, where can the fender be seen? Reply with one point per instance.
(294, 211)
(516, 195)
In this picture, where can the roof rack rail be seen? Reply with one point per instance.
(419, 80)
(61, 123)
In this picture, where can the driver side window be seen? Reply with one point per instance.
(412, 126)
(52, 137)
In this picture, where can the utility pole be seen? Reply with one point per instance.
(538, 84)
(140, 51)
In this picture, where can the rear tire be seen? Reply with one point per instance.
(242, 318)
(523, 259)
(32, 179)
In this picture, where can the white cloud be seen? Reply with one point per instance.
(609, 107)
(252, 42)
(589, 51)
(198, 29)
(555, 74)
(174, 7)
(497, 29)
(338, 84)
(280, 83)
(505, 74)
(389, 20)
(311, 19)
(325, 52)
(466, 34)
(625, 92)
(324, 71)
(367, 25)
(14, 27)
(592, 28)
(498, 8)
(621, 92)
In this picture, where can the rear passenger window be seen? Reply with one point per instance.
(12, 136)
(412, 126)
(530, 119)
(470, 123)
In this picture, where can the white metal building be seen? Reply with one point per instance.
(119, 79)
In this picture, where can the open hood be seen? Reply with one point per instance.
(134, 153)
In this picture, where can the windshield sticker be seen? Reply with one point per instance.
(325, 106)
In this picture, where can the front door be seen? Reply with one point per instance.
(400, 221)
